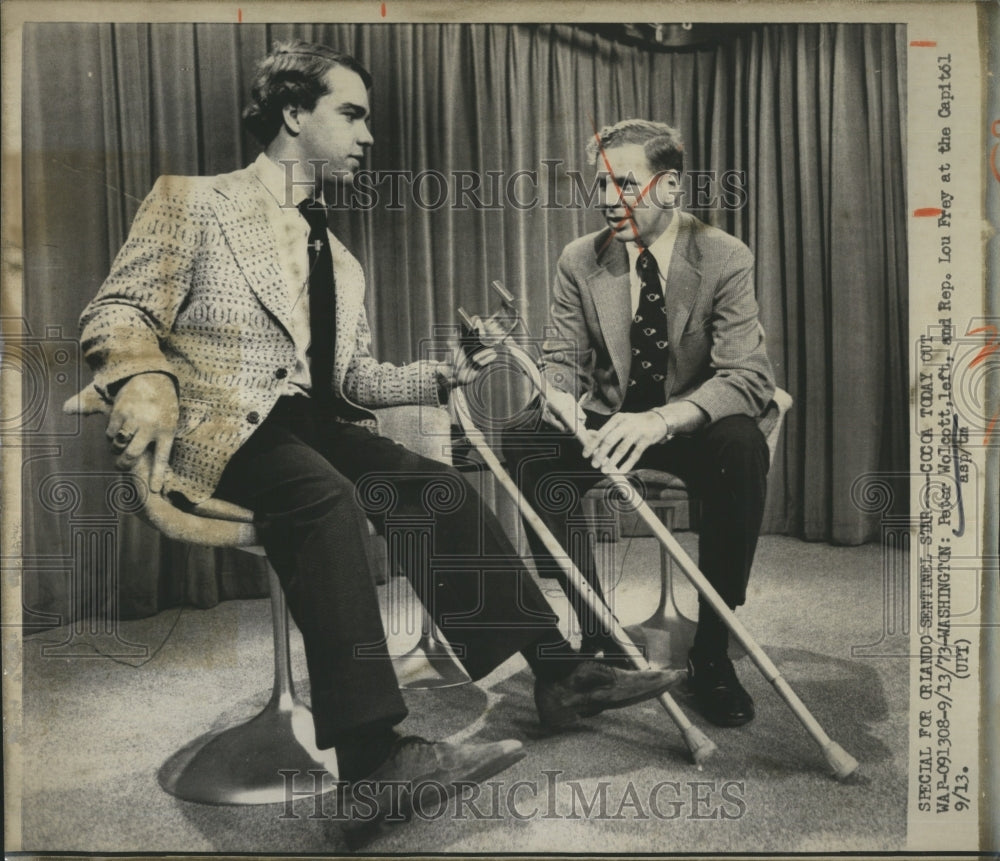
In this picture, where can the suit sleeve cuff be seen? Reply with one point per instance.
(109, 384)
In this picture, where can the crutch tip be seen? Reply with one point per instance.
(700, 745)
(842, 763)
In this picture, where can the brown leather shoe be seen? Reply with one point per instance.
(594, 687)
(420, 772)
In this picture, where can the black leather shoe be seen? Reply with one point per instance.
(420, 772)
(717, 691)
(593, 687)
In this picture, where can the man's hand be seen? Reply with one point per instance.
(145, 413)
(562, 411)
(618, 445)
(460, 370)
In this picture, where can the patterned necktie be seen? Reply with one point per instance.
(322, 300)
(648, 338)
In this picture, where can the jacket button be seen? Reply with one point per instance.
(281, 373)
(253, 417)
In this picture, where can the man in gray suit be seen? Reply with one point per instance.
(658, 351)
(231, 338)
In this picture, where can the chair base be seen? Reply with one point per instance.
(429, 664)
(667, 636)
(270, 759)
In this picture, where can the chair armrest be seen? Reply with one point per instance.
(773, 417)
(213, 523)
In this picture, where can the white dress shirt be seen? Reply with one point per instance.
(291, 235)
(662, 250)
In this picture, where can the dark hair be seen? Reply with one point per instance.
(662, 143)
(292, 75)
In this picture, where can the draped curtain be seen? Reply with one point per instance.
(807, 122)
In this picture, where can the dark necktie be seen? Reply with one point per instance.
(648, 339)
(322, 301)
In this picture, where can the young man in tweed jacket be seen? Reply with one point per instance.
(658, 350)
(205, 340)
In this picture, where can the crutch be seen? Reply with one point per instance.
(840, 761)
(700, 745)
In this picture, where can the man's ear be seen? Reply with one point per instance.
(669, 188)
(292, 116)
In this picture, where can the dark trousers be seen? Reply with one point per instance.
(312, 482)
(724, 464)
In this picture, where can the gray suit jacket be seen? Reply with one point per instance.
(197, 292)
(716, 356)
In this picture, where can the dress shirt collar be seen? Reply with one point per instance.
(661, 248)
(275, 178)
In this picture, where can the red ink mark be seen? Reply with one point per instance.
(628, 219)
(920, 44)
(239, 15)
(990, 426)
(382, 10)
(928, 212)
(991, 344)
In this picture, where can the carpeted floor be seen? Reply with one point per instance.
(96, 731)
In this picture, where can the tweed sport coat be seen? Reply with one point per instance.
(197, 292)
(716, 356)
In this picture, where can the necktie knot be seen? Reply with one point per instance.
(314, 213)
(646, 266)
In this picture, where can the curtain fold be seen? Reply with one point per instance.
(795, 131)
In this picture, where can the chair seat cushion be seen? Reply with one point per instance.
(655, 483)
(220, 509)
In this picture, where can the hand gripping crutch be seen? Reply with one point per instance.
(700, 745)
(840, 761)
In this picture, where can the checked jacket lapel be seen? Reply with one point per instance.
(242, 200)
(240, 208)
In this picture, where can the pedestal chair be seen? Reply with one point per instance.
(668, 633)
(242, 764)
